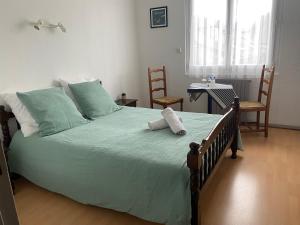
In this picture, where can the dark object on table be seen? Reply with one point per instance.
(159, 17)
(123, 97)
(127, 102)
(258, 106)
(164, 101)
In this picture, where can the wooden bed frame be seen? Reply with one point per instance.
(201, 159)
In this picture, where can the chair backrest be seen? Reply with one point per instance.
(266, 82)
(162, 79)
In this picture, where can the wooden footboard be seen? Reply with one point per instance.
(202, 159)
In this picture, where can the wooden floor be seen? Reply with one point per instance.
(262, 187)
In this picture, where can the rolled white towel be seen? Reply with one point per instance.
(173, 120)
(159, 124)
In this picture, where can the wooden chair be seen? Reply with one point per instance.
(259, 106)
(165, 100)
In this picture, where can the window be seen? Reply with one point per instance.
(231, 38)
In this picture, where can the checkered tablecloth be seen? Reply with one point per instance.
(223, 94)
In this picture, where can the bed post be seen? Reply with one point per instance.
(234, 145)
(194, 165)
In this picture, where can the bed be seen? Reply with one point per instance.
(116, 162)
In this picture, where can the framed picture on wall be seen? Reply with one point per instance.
(159, 17)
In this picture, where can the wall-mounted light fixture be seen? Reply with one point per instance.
(44, 24)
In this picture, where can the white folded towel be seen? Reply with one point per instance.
(159, 124)
(173, 120)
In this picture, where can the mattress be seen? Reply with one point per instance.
(116, 162)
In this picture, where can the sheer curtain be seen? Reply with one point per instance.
(230, 38)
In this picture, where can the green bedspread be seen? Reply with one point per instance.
(116, 162)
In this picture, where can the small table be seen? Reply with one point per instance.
(127, 102)
(222, 94)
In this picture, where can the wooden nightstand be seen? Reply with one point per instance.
(127, 102)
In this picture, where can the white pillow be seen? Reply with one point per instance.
(65, 84)
(27, 123)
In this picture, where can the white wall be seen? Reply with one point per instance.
(100, 42)
(286, 108)
(158, 46)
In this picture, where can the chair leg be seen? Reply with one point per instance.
(266, 124)
(257, 120)
(181, 106)
(151, 104)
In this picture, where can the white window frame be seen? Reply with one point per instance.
(276, 21)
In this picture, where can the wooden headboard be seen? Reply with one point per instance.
(4, 118)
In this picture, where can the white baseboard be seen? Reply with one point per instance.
(284, 126)
(272, 125)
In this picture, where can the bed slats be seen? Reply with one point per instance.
(215, 151)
